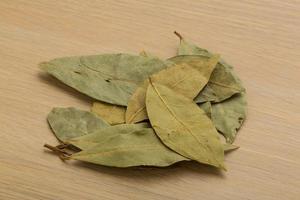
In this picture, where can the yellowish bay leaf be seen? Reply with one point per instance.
(113, 114)
(183, 126)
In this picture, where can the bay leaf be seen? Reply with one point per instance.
(112, 114)
(111, 78)
(183, 126)
(229, 115)
(101, 135)
(136, 109)
(135, 148)
(186, 78)
(222, 84)
(220, 120)
(67, 123)
(206, 107)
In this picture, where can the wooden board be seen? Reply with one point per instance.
(260, 38)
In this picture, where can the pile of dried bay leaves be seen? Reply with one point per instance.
(148, 111)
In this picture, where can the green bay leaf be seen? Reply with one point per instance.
(67, 123)
(222, 85)
(229, 115)
(183, 126)
(101, 135)
(133, 147)
(111, 78)
(223, 82)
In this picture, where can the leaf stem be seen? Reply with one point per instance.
(178, 35)
(62, 146)
(60, 152)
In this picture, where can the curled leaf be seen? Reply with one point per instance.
(68, 123)
(229, 115)
(112, 114)
(183, 126)
(111, 78)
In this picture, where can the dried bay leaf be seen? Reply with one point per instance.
(221, 121)
(183, 126)
(112, 114)
(140, 147)
(222, 84)
(125, 145)
(229, 115)
(101, 135)
(201, 68)
(136, 109)
(111, 78)
(186, 78)
(67, 123)
(206, 107)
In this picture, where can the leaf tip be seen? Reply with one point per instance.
(223, 167)
(43, 66)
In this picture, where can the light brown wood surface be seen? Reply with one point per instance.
(260, 38)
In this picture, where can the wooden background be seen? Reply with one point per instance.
(260, 38)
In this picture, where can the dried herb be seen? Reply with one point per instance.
(229, 115)
(186, 78)
(222, 84)
(111, 78)
(112, 114)
(139, 147)
(206, 107)
(68, 123)
(195, 104)
(101, 135)
(183, 126)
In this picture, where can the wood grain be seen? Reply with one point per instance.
(260, 38)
